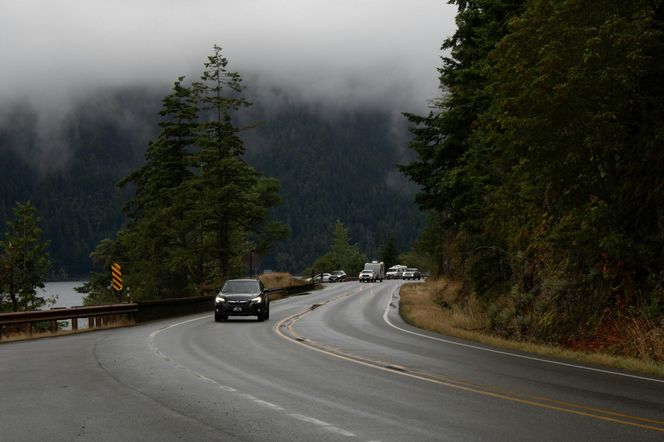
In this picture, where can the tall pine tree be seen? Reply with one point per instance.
(198, 208)
(24, 262)
(441, 139)
(156, 238)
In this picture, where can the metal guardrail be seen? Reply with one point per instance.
(102, 315)
(168, 308)
(295, 289)
(97, 316)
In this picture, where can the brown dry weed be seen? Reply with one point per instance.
(434, 306)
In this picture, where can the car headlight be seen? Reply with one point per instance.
(257, 300)
(219, 299)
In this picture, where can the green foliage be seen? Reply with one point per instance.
(342, 255)
(573, 126)
(417, 260)
(24, 263)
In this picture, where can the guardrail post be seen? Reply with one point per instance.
(54, 326)
(97, 321)
(29, 328)
(74, 324)
(91, 322)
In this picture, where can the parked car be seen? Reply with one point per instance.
(338, 276)
(242, 297)
(367, 275)
(322, 277)
(412, 273)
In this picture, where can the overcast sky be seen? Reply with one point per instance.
(340, 49)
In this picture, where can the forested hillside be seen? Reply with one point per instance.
(335, 166)
(543, 167)
(70, 176)
(332, 165)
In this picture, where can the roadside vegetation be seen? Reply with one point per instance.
(434, 305)
(542, 170)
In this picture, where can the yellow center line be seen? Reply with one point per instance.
(485, 390)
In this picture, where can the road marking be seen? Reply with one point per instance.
(506, 353)
(540, 402)
(320, 423)
(203, 378)
(268, 404)
(324, 425)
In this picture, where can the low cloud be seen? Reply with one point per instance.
(346, 50)
(345, 53)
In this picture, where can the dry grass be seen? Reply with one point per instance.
(279, 280)
(434, 306)
(647, 337)
(275, 280)
(635, 336)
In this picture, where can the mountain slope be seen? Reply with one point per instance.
(332, 165)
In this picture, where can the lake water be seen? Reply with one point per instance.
(67, 296)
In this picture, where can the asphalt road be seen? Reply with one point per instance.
(337, 364)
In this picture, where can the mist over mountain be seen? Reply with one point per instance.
(333, 163)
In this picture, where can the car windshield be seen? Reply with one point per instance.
(240, 287)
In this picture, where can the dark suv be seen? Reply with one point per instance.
(242, 297)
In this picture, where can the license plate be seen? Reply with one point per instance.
(237, 309)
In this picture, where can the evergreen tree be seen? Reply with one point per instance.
(198, 208)
(24, 263)
(156, 238)
(390, 253)
(235, 198)
(442, 138)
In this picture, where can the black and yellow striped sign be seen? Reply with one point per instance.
(116, 276)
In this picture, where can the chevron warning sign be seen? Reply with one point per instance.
(116, 276)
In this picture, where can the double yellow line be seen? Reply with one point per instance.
(284, 328)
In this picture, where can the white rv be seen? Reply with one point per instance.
(378, 269)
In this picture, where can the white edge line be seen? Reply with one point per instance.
(155, 333)
(532, 358)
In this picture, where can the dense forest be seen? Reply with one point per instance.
(333, 165)
(542, 167)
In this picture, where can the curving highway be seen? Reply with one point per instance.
(336, 364)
